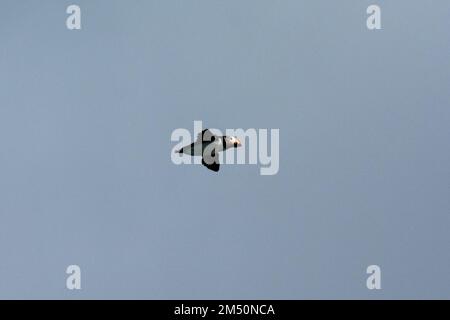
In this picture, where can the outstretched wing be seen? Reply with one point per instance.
(206, 136)
(211, 160)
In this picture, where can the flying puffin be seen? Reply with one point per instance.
(208, 145)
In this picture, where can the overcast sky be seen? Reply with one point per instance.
(86, 175)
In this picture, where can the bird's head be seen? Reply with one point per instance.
(233, 142)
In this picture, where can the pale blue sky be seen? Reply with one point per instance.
(85, 170)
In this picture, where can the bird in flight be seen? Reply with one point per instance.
(208, 145)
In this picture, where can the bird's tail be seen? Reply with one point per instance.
(179, 151)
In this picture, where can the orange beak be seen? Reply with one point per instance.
(238, 142)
